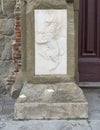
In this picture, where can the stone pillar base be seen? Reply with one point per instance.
(51, 101)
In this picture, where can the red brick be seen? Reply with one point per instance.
(18, 34)
(18, 22)
(18, 39)
(17, 17)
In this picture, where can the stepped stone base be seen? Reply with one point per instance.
(51, 101)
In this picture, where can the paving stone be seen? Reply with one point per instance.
(38, 125)
(95, 124)
(47, 125)
(95, 114)
(93, 98)
(79, 125)
(2, 125)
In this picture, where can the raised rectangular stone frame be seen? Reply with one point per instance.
(29, 49)
(42, 95)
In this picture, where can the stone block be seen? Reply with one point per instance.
(7, 53)
(8, 27)
(7, 8)
(59, 101)
(2, 85)
(2, 44)
(5, 47)
(5, 67)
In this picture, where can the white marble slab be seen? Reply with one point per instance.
(50, 42)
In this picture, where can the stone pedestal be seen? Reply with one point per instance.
(52, 101)
(49, 62)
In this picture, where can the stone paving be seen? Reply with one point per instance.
(93, 123)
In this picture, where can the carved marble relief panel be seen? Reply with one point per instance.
(50, 42)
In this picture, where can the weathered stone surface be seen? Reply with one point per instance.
(17, 86)
(49, 125)
(2, 23)
(7, 52)
(9, 8)
(51, 93)
(59, 101)
(95, 124)
(5, 59)
(2, 85)
(79, 125)
(5, 55)
(93, 98)
(1, 14)
(8, 27)
(6, 37)
(5, 68)
(2, 125)
(48, 4)
(2, 44)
